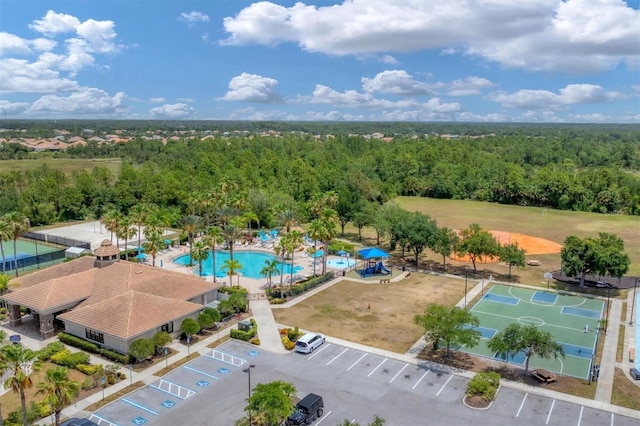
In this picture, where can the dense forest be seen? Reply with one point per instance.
(571, 167)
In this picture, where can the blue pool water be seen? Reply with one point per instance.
(252, 263)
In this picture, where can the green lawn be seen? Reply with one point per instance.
(554, 225)
(67, 165)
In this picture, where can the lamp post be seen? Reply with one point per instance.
(466, 273)
(593, 357)
(248, 371)
(633, 301)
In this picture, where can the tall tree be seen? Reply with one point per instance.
(422, 230)
(191, 225)
(525, 338)
(270, 269)
(18, 225)
(444, 243)
(200, 253)
(512, 255)
(478, 244)
(153, 244)
(140, 214)
(231, 232)
(272, 401)
(603, 256)
(232, 267)
(4, 236)
(329, 220)
(126, 230)
(21, 363)
(214, 237)
(110, 221)
(451, 325)
(58, 390)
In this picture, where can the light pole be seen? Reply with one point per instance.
(248, 371)
(466, 273)
(633, 301)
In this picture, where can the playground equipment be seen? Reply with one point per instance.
(375, 269)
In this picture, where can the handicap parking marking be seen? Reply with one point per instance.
(139, 420)
(173, 389)
(186, 367)
(420, 379)
(337, 356)
(224, 370)
(253, 353)
(359, 359)
(168, 404)
(202, 383)
(97, 419)
(140, 406)
(325, 346)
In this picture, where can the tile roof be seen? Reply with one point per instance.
(137, 313)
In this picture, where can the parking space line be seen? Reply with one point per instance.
(612, 418)
(317, 352)
(323, 417)
(359, 359)
(522, 404)
(142, 407)
(337, 356)
(374, 370)
(550, 411)
(445, 384)
(418, 382)
(101, 419)
(199, 372)
(580, 416)
(398, 373)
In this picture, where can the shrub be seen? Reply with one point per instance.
(277, 301)
(288, 344)
(205, 321)
(88, 383)
(213, 313)
(485, 384)
(89, 370)
(78, 342)
(255, 341)
(111, 380)
(141, 349)
(69, 359)
(245, 335)
(293, 334)
(115, 356)
(45, 353)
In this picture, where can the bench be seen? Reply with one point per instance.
(632, 355)
(385, 281)
(532, 262)
(543, 375)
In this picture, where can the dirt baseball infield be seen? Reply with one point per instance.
(532, 245)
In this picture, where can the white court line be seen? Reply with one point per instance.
(323, 417)
(354, 364)
(398, 373)
(418, 382)
(580, 416)
(317, 352)
(374, 370)
(550, 411)
(337, 356)
(445, 384)
(522, 404)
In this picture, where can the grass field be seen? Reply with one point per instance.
(67, 165)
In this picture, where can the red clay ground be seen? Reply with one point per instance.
(532, 245)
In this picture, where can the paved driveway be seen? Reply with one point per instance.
(355, 385)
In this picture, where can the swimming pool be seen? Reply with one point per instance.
(252, 263)
(340, 263)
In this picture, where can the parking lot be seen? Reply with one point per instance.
(355, 385)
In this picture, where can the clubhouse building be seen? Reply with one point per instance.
(107, 301)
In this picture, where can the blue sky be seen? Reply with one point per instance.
(364, 60)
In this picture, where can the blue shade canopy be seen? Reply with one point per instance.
(372, 253)
(319, 253)
(141, 256)
(342, 253)
(167, 242)
(140, 249)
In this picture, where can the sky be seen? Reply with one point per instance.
(574, 61)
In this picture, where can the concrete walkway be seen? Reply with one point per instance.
(608, 356)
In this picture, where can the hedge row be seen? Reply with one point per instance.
(52, 348)
(70, 359)
(245, 335)
(309, 284)
(93, 348)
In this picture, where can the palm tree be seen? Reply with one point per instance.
(127, 231)
(270, 268)
(200, 252)
(225, 214)
(110, 221)
(4, 236)
(231, 232)
(287, 218)
(139, 215)
(58, 390)
(21, 364)
(251, 217)
(191, 224)
(214, 236)
(294, 239)
(153, 244)
(316, 231)
(18, 225)
(281, 251)
(329, 220)
(231, 266)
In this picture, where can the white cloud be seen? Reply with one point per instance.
(352, 99)
(89, 102)
(436, 105)
(21, 76)
(544, 99)
(252, 88)
(98, 35)
(253, 114)
(469, 86)
(388, 59)
(156, 100)
(55, 23)
(172, 111)
(571, 35)
(194, 17)
(11, 43)
(397, 82)
(12, 108)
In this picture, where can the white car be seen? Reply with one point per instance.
(307, 343)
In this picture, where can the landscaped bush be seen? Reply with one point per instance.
(484, 384)
(70, 359)
(213, 313)
(45, 353)
(245, 335)
(93, 348)
(307, 285)
(233, 290)
(288, 344)
(115, 356)
(88, 383)
(89, 369)
(293, 334)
